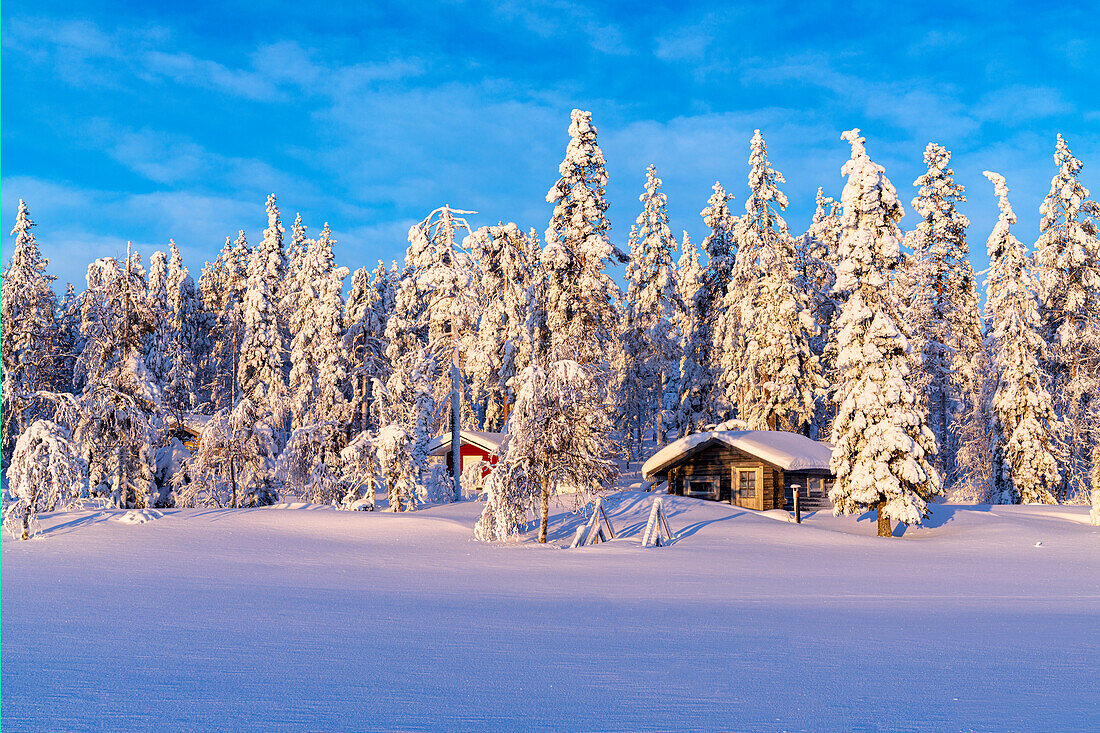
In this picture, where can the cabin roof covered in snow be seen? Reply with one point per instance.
(788, 451)
(487, 441)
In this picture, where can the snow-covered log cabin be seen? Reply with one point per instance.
(474, 446)
(755, 469)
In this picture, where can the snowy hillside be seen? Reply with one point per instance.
(308, 618)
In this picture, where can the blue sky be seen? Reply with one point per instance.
(160, 120)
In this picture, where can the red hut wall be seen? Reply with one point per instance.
(471, 454)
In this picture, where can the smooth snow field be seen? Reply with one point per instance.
(300, 617)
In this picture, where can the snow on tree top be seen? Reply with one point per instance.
(482, 439)
(788, 451)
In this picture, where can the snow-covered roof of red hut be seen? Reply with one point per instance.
(788, 451)
(487, 441)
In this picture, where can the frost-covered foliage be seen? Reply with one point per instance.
(28, 332)
(46, 473)
(559, 440)
(580, 297)
(262, 354)
(884, 455)
(506, 257)
(652, 310)
(234, 465)
(944, 310)
(1025, 449)
(1067, 256)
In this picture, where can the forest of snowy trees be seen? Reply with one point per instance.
(310, 381)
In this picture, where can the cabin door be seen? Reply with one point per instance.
(747, 488)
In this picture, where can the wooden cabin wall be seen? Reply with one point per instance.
(814, 492)
(715, 464)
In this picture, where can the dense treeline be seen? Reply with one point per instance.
(304, 382)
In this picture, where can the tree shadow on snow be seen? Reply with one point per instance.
(75, 524)
(939, 515)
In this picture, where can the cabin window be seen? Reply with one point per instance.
(701, 488)
(746, 484)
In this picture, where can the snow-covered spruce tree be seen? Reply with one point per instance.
(235, 464)
(505, 255)
(690, 408)
(950, 324)
(296, 277)
(46, 472)
(884, 455)
(28, 334)
(581, 313)
(158, 344)
(1024, 432)
(368, 308)
(190, 326)
(767, 366)
(260, 366)
(316, 324)
(701, 386)
(437, 307)
(1067, 256)
(558, 441)
(121, 404)
(652, 308)
(68, 344)
(223, 286)
(818, 253)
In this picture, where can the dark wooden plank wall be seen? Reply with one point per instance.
(715, 464)
(813, 495)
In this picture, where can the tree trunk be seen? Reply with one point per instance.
(233, 482)
(884, 529)
(366, 402)
(456, 426)
(544, 518)
(27, 521)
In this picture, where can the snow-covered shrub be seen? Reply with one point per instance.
(359, 461)
(473, 480)
(234, 464)
(46, 471)
(310, 464)
(169, 463)
(509, 496)
(399, 466)
(438, 485)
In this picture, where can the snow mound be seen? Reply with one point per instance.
(139, 516)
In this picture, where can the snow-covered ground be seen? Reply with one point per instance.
(305, 617)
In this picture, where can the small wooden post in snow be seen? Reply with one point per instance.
(656, 527)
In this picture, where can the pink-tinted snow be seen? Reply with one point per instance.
(308, 618)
